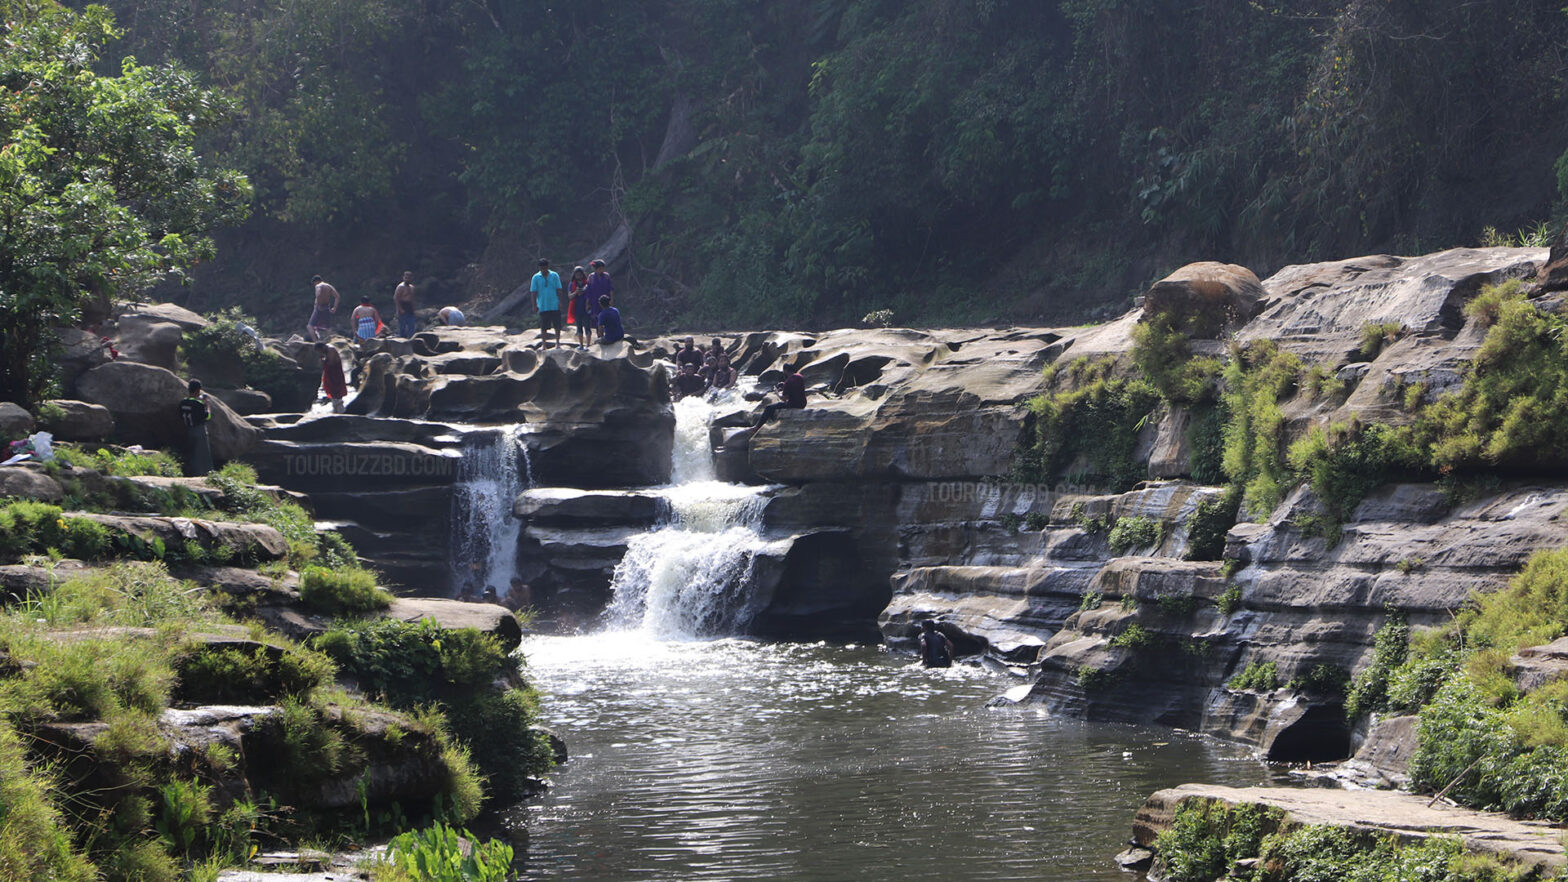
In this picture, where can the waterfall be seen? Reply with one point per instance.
(691, 576)
(493, 471)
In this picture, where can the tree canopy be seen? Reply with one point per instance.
(102, 190)
(808, 161)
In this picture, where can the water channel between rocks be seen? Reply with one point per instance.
(721, 758)
(732, 759)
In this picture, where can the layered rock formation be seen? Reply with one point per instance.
(891, 499)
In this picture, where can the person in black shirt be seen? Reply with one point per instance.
(936, 651)
(690, 355)
(687, 382)
(195, 413)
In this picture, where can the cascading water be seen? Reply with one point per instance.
(692, 575)
(493, 471)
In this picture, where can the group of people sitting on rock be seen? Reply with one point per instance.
(699, 371)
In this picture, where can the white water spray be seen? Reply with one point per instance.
(493, 471)
(692, 576)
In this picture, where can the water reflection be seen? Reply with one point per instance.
(732, 759)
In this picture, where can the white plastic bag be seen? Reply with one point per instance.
(43, 446)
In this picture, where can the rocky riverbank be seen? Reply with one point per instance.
(1202, 514)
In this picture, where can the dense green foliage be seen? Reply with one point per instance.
(343, 590)
(1513, 409)
(948, 159)
(1207, 839)
(1257, 379)
(138, 809)
(1259, 676)
(1136, 533)
(1089, 428)
(102, 189)
(441, 854)
(411, 664)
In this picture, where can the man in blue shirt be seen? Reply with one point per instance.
(610, 330)
(546, 286)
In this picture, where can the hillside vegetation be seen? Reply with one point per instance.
(810, 161)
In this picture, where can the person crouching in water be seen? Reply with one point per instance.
(936, 651)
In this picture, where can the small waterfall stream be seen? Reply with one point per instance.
(493, 471)
(691, 576)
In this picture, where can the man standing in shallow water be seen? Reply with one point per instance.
(320, 326)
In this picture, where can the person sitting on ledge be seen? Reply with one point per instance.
(792, 390)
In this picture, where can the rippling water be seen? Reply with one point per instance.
(733, 759)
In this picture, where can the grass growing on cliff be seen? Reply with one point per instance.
(1259, 676)
(1513, 408)
(1134, 533)
(1257, 379)
(411, 664)
(35, 844)
(1164, 355)
(1090, 426)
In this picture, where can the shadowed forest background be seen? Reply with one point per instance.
(800, 163)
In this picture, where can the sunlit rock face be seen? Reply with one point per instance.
(889, 498)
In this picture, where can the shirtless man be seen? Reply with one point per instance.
(320, 326)
(403, 305)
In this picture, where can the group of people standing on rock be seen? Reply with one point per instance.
(699, 371)
(586, 304)
(366, 319)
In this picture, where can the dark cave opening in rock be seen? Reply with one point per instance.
(1321, 735)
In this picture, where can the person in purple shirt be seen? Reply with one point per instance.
(610, 330)
(792, 390)
(599, 287)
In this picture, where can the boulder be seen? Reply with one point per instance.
(15, 422)
(149, 341)
(1535, 666)
(244, 401)
(78, 351)
(78, 421)
(167, 312)
(1205, 299)
(488, 618)
(257, 542)
(29, 483)
(145, 399)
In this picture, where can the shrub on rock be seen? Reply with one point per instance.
(342, 590)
